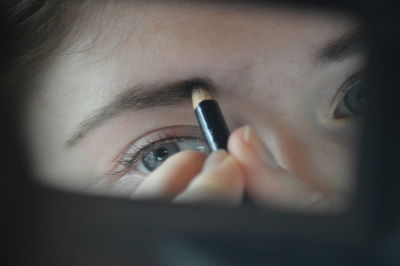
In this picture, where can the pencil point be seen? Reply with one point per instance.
(200, 94)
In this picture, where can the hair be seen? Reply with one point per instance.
(33, 30)
(36, 30)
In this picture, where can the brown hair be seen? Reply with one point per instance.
(32, 30)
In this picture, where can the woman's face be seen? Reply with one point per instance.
(116, 88)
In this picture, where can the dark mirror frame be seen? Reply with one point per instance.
(49, 227)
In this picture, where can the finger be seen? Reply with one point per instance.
(266, 182)
(220, 183)
(171, 177)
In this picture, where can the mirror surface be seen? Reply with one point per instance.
(111, 103)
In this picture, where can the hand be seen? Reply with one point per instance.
(270, 185)
(190, 177)
(221, 179)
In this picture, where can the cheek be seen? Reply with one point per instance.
(337, 162)
(318, 159)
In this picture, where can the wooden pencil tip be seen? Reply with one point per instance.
(200, 94)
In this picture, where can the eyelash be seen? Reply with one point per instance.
(132, 157)
(356, 77)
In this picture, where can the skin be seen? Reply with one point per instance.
(296, 155)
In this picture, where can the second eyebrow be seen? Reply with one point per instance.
(343, 47)
(141, 97)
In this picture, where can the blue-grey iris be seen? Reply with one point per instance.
(156, 157)
(355, 98)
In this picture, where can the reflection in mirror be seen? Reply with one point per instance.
(109, 108)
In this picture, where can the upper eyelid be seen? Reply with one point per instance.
(129, 145)
(140, 151)
(351, 80)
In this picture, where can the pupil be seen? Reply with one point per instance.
(158, 155)
(161, 153)
(361, 96)
(355, 99)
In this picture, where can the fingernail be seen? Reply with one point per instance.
(251, 137)
(214, 160)
(249, 134)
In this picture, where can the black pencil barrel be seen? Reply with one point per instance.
(215, 130)
(212, 124)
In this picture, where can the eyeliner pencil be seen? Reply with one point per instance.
(210, 119)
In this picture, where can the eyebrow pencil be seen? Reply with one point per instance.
(212, 124)
(210, 119)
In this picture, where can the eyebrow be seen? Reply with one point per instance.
(337, 50)
(142, 97)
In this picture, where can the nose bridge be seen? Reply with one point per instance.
(290, 150)
(263, 118)
(274, 133)
(287, 143)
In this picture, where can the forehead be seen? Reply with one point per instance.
(157, 34)
(125, 44)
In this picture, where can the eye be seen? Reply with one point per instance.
(355, 99)
(151, 150)
(160, 151)
(352, 98)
